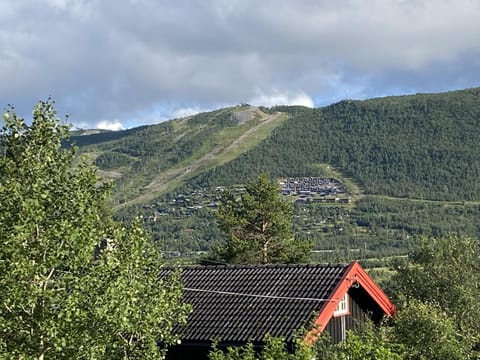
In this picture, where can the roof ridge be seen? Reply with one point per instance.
(259, 266)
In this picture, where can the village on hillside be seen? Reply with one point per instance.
(298, 189)
(315, 189)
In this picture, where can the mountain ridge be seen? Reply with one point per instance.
(421, 147)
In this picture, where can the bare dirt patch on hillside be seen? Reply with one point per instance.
(244, 115)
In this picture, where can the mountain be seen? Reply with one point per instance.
(409, 166)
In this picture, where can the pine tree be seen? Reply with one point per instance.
(259, 226)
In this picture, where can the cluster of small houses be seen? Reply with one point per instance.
(315, 189)
(184, 205)
(303, 189)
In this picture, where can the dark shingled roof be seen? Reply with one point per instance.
(245, 303)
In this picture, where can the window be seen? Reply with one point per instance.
(342, 307)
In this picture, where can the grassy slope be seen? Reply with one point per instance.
(162, 157)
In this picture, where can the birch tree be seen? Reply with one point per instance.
(73, 284)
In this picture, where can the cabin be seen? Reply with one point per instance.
(237, 304)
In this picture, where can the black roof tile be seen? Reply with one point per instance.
(245, 303)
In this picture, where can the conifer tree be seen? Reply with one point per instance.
(259, 226)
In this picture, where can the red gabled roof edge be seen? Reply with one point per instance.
(353, 273)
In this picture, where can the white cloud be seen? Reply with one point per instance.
(100, 62)
(277, 98)
(113, 125)
(58, 4)
(78, 8)
(188, 111)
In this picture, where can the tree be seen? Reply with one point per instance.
(428, 332)
(438, 296)
(73, 284)
(368, 342)
(258, 225)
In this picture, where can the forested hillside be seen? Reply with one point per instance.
(411, 165)
(421, 146)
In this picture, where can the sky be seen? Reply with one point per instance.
(117, 64)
